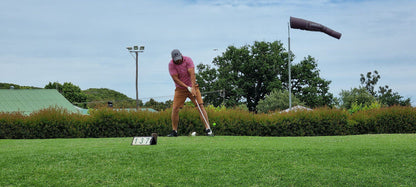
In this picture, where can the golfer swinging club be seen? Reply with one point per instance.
(182, 70)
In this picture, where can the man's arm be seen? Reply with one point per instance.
(191, 72)
(177, 81)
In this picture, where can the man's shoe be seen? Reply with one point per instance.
(209, 132)
(173, 134)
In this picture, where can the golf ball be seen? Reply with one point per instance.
(193, 133)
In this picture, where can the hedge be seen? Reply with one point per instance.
(106, 122)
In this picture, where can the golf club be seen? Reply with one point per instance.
(202, 114)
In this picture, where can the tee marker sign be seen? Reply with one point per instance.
(145, 140)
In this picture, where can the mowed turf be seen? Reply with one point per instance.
(364, 160)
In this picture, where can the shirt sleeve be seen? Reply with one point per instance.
(189, 63)
(172, 69)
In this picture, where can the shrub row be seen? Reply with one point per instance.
(105, 122)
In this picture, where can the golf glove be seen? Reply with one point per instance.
(189, 89)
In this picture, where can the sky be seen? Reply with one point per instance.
(84, 42)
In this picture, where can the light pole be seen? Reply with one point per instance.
(288, 64)
(136, 50)
(297, 23)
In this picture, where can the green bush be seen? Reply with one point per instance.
(360, 107)
(106, 122)
(395, 119)
(276, 101)
(319, 122)
(12, 125)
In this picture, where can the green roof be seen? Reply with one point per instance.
(31, 100)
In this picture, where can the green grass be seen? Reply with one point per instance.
(365, 160)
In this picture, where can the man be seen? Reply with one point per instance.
(182, 70)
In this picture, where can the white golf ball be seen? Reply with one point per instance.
(193, 133)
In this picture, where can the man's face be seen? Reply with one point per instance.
(177, 62)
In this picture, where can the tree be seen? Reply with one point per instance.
(370, 81)
(54, 85)
(207, 79)
(384, 95)
(71, 92)
(308, 86)
(159, 106)
(390, 98)
(15, 86)
(249, 73)
(277, 100)
(357, 96)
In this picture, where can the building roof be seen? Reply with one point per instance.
(31, 100)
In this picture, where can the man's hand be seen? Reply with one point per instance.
(192, 90)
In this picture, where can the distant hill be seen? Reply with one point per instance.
(96, 97)
(15, 86)
(100, 97)
(100, 94)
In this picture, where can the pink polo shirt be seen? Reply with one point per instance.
(182, 70)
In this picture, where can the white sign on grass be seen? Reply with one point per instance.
(145, 140)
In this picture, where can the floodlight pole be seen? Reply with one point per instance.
(137, 80)
(288, 64)
(136, 50)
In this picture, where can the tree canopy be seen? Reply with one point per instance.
(366, 94)
(308, 86)
(249, 73)
(384, 95)
(277, 100)
(15, 86)
(69, 91)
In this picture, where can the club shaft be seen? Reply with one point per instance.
(202, 114)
